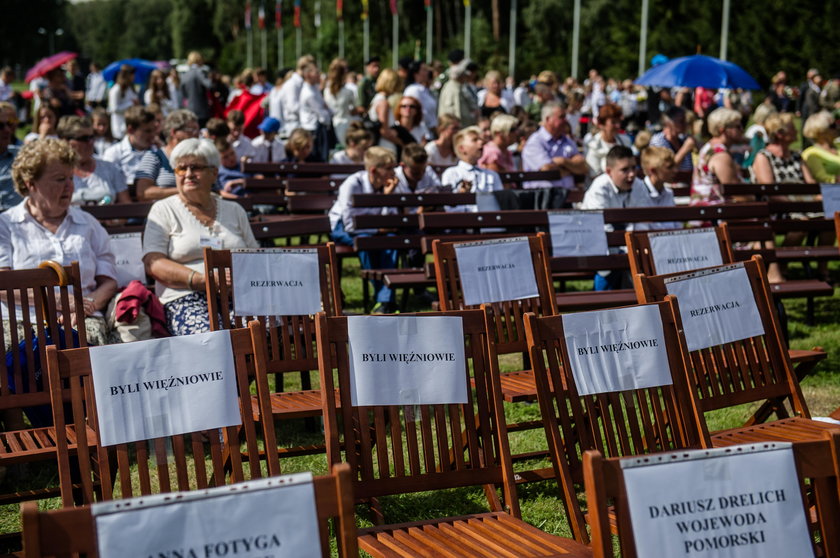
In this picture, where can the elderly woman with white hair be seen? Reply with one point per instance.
(495, 155)
(178, 229)
(822, 157)
(715, 165)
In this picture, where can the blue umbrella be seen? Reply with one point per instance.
(142, 69)
(698, 71)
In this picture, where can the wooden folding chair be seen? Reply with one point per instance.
(291, 339)
(608, 503)
(506, 324)
(746, 371)
(71, 531)
(32, 299)
(188, 461)
(398, 450)
(619, 423)
(641, 259)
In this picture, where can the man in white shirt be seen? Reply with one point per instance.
(378, 177)
(239, 141)
(139, 138)
(422, 75)
(267, 147)
(315, 116)
(289, 97)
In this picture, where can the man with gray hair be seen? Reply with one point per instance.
(550, 148)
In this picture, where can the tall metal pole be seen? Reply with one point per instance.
(643, 38)
(341, 38)
(298, 43)
(575, 39)
(264, 49)
(280, 53)
(512, 47)
(429, 23)
(724, 30)
(395, 39)
(366, 39)
(467, 27)
(250, 55)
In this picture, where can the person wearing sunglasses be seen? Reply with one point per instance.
(8, 123)
(96, 182)
(181, 226)
(410, 118)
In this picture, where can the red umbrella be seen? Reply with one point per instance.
(45, 65)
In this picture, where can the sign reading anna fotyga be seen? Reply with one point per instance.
(282, 282)
(163, 387)
(736, 502)
(406, 360)
(273, 517)
(676, 251)
(496, 270)
(716, 306)
(577, 233)
(617, 350)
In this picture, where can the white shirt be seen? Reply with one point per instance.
(435, 158)
(125, 157)
(6, 91)
(655, 198)
(506, 99)
(243, 147)
(172, 230)
(96, 87)
(260, 148)
(343, 210)
(25, 243)
(117, 105)
(290, 103)
(429, 182)
(483, 180)
(427, 100)
(313, 109)
(106, 180)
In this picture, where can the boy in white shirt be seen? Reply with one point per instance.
(466, 176)
(267, 147)
(240, 142)
(378, 177)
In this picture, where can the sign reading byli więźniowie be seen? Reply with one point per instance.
(737, 502)
(163, 387)
(275, 282)
(407, 360)
(496, 270)
(264, 517)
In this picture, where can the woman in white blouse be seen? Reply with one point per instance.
(339, 98)
(44, 226)
(121, 97)
(180, 227)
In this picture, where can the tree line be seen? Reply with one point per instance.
(764, 36)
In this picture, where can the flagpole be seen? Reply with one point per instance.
(575, 39)
(643, 38)
(512, 48)
(249, 58)
(278, 26)
(280, 48)
(395, 38)
(317, 22)
(298, 36)
(467, 27)
(724, 31)
(429, 23)
(365, 31)
(339, 15)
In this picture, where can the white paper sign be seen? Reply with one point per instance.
(163, 387)
(279, 282)
(128, 250)
(406, 360)
(577, 233)
(831, 199)
(617, 350)
(496, 270)
(717, 306)
(736, 502)
(684, 250)
(265, 517)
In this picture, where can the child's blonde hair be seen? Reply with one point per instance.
(462, 135)
(377, 157)
(656, 157)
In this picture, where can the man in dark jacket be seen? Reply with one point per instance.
(195, 86)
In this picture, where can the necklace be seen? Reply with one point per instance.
(205, 215)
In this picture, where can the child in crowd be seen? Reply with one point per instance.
(441, 151)
(660, 167)
(298, 146)
(466, 177)
(231, 176)
(216, 128)
(414, 175)
(357, 140)
(378, 177)
(101, 131)
(240, 142)
(267, 147)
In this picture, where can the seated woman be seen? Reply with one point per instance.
(715, 164)
(410, 119)
(45, 226)
(495, 155)
(608, 135)
(155, 179)
(95, 181)
(822, 158)
(178, 229)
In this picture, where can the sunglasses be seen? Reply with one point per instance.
(84, 139)
(181, 170)
(413, 107)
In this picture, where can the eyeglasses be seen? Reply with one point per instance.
(413, 107)
(9, 124)
(84, 139)
(181, 170)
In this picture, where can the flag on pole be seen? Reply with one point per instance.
(248, 15)
(339, 9)
(466, 3)
(261, 15)
(278, 14)
(364, 9)
(297, 13)
(393, 7)
(427, 4)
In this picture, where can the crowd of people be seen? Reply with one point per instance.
(182, 137)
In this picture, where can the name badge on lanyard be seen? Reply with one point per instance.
(212, 240)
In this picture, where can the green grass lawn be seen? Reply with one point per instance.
(540, 502)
